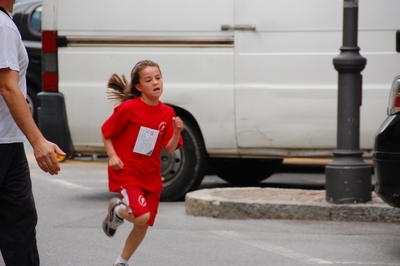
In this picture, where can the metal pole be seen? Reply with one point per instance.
(348, 177)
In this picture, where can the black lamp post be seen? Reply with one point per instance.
(348, 177)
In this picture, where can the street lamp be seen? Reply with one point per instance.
(348, 177)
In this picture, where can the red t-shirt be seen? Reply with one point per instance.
(124, 126)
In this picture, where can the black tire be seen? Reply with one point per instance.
(246, 172)
(184, 169)
(32, 100)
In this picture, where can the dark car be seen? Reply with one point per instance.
(386, 155)
(27, 15)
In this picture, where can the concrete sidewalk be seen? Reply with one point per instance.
(276, 203)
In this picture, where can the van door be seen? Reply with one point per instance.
(285, 83)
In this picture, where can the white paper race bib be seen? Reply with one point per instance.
(146, 141)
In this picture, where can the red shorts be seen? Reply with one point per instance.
(141, 201)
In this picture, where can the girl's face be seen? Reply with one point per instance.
(150, 84)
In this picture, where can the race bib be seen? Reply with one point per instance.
(146, 141)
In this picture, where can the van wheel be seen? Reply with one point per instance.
(184, 169)
(246, 172)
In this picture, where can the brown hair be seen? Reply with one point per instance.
(120, 90)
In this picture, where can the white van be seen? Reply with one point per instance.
(253, 80)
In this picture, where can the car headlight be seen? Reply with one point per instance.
(394, 98)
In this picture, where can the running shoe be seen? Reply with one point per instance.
(112, 221)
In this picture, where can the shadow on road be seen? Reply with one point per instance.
(289, 175)
(301, 176)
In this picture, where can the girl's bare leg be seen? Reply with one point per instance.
(137, 234)
(133, 241)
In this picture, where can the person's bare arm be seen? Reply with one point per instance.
(173, 142)
(113, 160)
(44, 150)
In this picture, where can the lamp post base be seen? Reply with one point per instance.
(346, 184)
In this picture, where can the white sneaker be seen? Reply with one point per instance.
(112, 221)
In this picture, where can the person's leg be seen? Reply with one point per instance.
(140, 210)
(133, 240)
(127, 215)
(140, 206)
(18, 217)
(118, 211)
(135, 208)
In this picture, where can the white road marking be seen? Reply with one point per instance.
(61, 182)
(290, 253)
(353, 263)
(272, 248)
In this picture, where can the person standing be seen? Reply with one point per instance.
(18, 216)
(133, 137)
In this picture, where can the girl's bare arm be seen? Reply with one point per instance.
(113, 160)
(173, 142)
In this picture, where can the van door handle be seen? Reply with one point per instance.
(226, 27)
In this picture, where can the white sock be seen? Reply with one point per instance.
(121, 260)
(116, 209)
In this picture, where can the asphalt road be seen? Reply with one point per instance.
(72, 205)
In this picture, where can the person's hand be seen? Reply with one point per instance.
(44, 152)
(115, 163)
(178, 124)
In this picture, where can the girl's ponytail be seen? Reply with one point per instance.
(119, 90)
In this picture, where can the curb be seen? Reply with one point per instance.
(276, 203)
